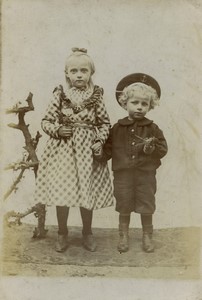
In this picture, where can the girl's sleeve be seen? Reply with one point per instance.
(107, 148)
(50, 123)
(102, 121)
(161, 147)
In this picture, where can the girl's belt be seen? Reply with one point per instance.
(81, 124)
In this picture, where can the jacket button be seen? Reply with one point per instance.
(133, 143)
(133, 156)
(132, 130)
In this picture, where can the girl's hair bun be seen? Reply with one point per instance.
(83, 50)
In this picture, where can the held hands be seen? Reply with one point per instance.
(97, 149)
(65, 131)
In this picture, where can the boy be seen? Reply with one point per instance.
(136, 145)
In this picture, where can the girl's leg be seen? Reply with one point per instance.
(87, 216)
(147, 227)
(62, 216)
(124, 221)
(88, 241)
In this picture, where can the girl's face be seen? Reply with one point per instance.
(137, 106)
(79, 72)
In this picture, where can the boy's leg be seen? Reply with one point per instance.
(124, 221)
(145, 205)
(147, 227)
(88, 240)
(124, 194)
(62, 216)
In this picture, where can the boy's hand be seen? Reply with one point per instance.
(65, 131)
(149, 146)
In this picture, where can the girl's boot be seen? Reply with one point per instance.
(123, 244)
(147, 243)
(88, 240)
(62, 215)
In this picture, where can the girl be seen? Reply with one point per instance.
(78, 125)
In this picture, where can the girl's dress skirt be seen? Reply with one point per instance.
(69, 175)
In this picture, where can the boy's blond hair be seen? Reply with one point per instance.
(142, 88)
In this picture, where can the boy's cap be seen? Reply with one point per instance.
(137, 77)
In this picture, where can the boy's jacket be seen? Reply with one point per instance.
(126, 142)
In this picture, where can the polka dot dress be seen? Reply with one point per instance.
(68, 173)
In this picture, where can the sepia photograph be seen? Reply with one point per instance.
(100, 139)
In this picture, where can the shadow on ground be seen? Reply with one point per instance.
(176, 256)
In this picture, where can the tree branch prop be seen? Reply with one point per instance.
(14, 185)
(30, 161)
(30, 143)
(23, 166)
(13, 218)
(20, 165)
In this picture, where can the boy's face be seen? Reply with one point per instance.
(137, 106)
(79, 72)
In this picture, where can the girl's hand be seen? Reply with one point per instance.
(65, 131)
(97, 149)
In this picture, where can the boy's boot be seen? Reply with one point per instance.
(147, 242)
(88, 240)
(123, 244)
(62, 241)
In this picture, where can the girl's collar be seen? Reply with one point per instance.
(83, 90)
